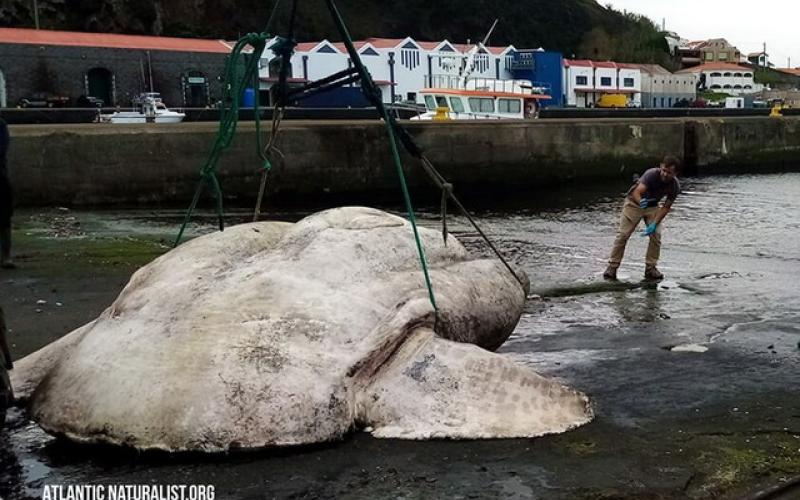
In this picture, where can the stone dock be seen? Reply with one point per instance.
(123, 165)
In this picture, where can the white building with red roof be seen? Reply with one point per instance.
(400, 66)
(733, 79)
(586, 81)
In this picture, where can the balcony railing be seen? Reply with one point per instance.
(487, 85)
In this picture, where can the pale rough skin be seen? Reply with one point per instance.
(273, 334)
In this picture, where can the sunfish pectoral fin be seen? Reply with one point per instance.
(436, 388)
(29, 371)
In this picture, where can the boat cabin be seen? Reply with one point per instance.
(484, 99)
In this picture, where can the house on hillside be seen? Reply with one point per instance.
(760, 59)
(708, 51)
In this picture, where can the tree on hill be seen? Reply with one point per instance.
(577, 28)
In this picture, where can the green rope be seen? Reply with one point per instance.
(229, 118)
(368, 86)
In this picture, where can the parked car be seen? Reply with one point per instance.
(87, 101)
(699, 103)
(6, 393)
(44, 100)
(682, 103)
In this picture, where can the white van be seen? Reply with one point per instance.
(734, 102)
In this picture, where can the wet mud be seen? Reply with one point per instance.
(717, 422)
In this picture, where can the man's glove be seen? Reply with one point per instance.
(643, 203)
(650, 229)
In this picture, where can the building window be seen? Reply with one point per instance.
(723, 56)
(727, 74)
(655, 102)
(409, 58)
(748, 75)
(581, 80)
(709, 56)
(605, 81)
(662, 102)
(737, 74)
(628, 82)
(713, 75)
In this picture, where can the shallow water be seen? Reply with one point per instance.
(731, 254)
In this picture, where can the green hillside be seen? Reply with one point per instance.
(579, 28)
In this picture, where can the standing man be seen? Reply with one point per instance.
(642, 202)
(6, 201)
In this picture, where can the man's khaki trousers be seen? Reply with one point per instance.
(631, 215)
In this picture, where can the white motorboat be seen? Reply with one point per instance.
(149, 108)
(482, 99)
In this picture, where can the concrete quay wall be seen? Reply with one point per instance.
(96, 164)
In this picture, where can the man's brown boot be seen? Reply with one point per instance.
(610, 273)
(652, 273)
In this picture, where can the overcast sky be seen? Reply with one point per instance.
(746, 25)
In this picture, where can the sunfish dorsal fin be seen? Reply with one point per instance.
(436, 388)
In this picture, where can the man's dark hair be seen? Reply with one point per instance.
(672, 161)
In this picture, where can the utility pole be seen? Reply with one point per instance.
(36, 14)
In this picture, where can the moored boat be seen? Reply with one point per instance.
(149, 108)
(481, 99)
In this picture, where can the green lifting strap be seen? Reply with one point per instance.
(229, 118)
(370, 90)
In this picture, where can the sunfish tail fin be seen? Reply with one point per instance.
(435, 388)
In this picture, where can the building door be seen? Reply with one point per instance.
(3, 99)
(100, 84)
(195, 90)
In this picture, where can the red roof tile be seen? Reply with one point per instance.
(605, 64)
(581, 63)
(112, 41)
(428, 45)
(385, 43)
(343, 48)
(305, 46)
(714, 66)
